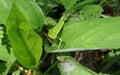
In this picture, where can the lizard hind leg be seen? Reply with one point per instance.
(61, 43)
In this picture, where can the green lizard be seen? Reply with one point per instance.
(55, 30)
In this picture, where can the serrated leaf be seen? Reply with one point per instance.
(50, 21)
(68, 66)
(68, 3)
(27, 44)
(91, 12)
(30, 9)
(91, 34)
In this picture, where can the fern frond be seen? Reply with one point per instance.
(3, 36)
(1, 32)
(90, 12)
(50, 21)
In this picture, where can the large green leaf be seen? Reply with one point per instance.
(4, 10)
(30, 9)
(27, 44)
(91, 34)
(99, 33)
(68, 66)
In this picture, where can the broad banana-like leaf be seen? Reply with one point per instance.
(90, 34)
(5, 6)
(30, 9)
(26, 44)
(68, 66)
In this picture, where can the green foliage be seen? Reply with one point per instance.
(90, 12)
(34, 34)
(86, 13)
(68, 3)
(48, 5)
(92, 37)
(30, 9)
(50, 21)
(80, 5)
(4, 9)
(20, 28)
(91, 34)
(6, 57)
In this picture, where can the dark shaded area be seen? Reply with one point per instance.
(2, 67)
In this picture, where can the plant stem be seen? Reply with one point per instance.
(50, 68)
(37, 72)
(34, 73)
(43, 58)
